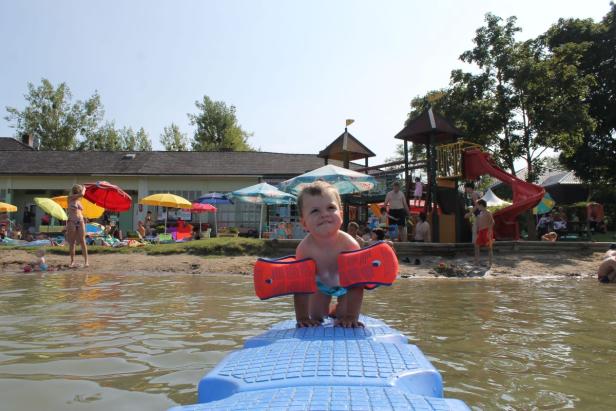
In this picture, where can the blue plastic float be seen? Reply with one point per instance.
(324, 368)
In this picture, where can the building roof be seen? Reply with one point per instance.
(421, 128)
(11, 144)
(211, 163)
(548, 178)
(346, 146)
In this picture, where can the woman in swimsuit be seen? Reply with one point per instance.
(75, 226)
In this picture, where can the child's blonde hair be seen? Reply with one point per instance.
(318, 188)
(77, 189)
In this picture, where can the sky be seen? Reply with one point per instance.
(294, 70)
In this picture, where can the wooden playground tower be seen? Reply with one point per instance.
(444, 163)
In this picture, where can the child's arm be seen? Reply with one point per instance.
(301, 302)
(302, 317)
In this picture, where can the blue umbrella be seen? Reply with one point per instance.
(264, 194)
(214, 198)
(345, 180)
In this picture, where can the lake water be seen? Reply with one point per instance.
(130, 342)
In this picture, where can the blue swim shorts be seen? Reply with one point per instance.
(331, 291)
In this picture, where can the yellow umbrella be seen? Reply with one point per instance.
(166, 200)
(51, 207)
(90, 210)
(7, 208)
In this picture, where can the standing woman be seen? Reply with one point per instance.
(76, 226)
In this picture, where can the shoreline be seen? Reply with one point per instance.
(506, 265)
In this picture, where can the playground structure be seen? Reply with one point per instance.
(467, 161)
(451, 160)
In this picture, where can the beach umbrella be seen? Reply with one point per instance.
(7, 208)
(90, 210)
(214, 198)
(201, 208)
(108, 196)
(545, 205)
(345, 180)
(166, 200)
(264, 194)
(51, 207)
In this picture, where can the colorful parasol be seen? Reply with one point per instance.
(264, 194)
(201, 208)
(166, 200)
(7, 208)
(51, 207)
(345, 180)
(108, 196)
(90, 210)
(545, 205)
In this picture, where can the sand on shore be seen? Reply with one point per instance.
(506, 265)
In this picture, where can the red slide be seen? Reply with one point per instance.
(525, 195)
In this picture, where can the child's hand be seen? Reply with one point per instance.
(347, 322)
(307, 322)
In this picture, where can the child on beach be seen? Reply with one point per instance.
(320, 214)
(418, 193)
(39, 264)
(485, 226)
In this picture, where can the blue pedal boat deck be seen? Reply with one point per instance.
(323, 368)
(374, 330)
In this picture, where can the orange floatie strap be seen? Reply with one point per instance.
(370, 266)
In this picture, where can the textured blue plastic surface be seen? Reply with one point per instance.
(329, 398)
(374, 332)
(367, 321)
(324, 368)
(322, 362)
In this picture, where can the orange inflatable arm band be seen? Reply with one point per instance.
(370, 266)
(283, 276)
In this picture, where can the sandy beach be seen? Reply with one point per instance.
(506, 264)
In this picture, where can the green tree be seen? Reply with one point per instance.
(109, 138)
(174, 140)
(105, 138)
(217, 127)
(53, 119)
(591, 151)
(139, 141)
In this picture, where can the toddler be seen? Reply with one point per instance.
(320, 214)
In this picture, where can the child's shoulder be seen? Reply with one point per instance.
(347, 241)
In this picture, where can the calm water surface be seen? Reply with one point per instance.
(115, 342)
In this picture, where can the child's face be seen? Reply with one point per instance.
(321, 215)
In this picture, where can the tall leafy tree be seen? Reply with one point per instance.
(55, 121)
(591, 153)
(110, 138)
(135, 141)
(173, 139)
(105, 138)
(217, 127)
(494, 55)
